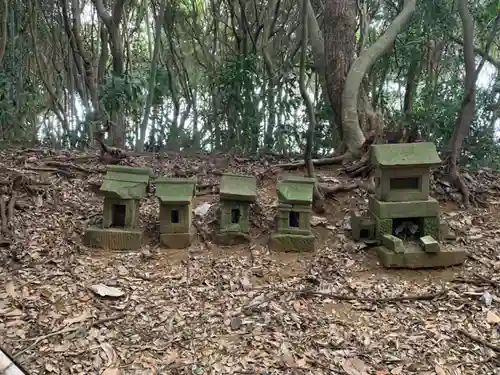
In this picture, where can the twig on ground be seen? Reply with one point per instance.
(479, 340)
(342, 297)
(39, 339)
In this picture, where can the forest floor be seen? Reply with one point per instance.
(240, 309)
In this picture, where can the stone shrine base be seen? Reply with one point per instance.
(113, 238)
(230, 238)
(285, 242)
(414, 257)
(177, 240)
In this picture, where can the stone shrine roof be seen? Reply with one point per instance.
(404, 155)
(122, 182)
(175, 190)
(295, 190)
(238, 187)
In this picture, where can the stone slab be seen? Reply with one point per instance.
(296, 190)
(8, 367)
(113, 238)
(360, 224)
(429, 244)
(238, 187)
(414, 257)
(396, 210)
(228, 238)
(280, 242)
(393, 243)
(177, 240)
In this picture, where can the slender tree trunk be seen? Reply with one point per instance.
(467, 108)
(152, 77)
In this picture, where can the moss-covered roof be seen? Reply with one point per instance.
(238, 187)
(296, 190)
(175, 190)
(405, 155)
(122, 182)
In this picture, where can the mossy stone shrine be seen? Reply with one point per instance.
(123, 188)
(237, 193)
(295, 195)
(401, 214)
(176, 200)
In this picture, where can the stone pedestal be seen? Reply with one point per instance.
(415, 257)
(286, 242)
(113, 238)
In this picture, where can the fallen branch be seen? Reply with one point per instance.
(60, 165)
(65, 330)
(316, 162)
(479, 340)
(329, 191)
(343, 297)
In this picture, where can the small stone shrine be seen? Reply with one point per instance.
(295, 195)
(402, 216)
(236, 194)
(123, 188)
(176, 199)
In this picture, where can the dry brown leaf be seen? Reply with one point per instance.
(77, 319)
(111, 371)
(106, 291)
(492, 318)
(172, 357)
(286, 356)
(110, 353)
(397, 370)
(62, 348)
(439, 370)
(10, 288)
(382, 372)
(354, 366)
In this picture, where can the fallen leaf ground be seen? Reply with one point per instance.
(234, 310)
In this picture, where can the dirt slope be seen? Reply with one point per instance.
(236, 310)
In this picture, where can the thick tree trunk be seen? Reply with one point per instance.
(353, 136)
(340, 46)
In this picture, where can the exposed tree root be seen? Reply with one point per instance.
(110, 155)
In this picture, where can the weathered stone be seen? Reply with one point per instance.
(122, 188)
(177, 240)
(415, 257)
(429, 244)
(296, 190)
(431, 227)
(362, 227)
(382, 227)
(393, 243)
(239, 188)
(176, 196)
(445, 233)
(293, 232)
(395, 210)
(228, 238)
(237, 192)
(113, 238)
(291, 243)
(402, 170)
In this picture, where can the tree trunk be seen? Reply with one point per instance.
(353, 135)
(318, 201)
(340, 46)
(466, 112)
(152, 77)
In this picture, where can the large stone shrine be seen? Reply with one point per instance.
(293, 232)
(176, 200)
(237, 193)
(402, 216)
(123, 187)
